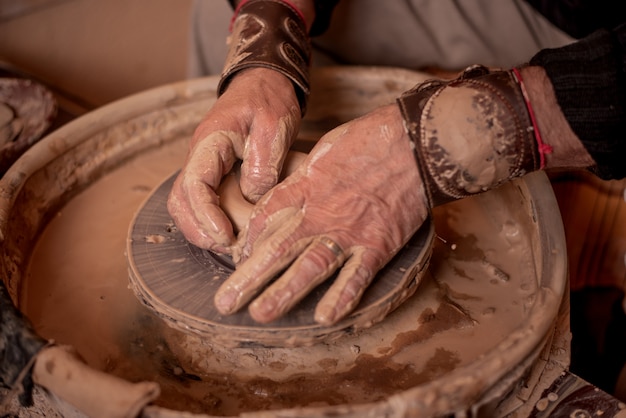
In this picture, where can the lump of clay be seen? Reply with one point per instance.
(232, 202)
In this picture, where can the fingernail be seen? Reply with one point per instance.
(263, 310)
(325, 315)
(254, 197)
(225, 301)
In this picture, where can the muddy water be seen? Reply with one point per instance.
(478, 289)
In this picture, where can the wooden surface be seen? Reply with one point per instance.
(594, 217)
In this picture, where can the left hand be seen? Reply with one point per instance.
(255, 121)
(351, 205)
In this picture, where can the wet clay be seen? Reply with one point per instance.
(478, 291)
(232, 202)
(175, 279)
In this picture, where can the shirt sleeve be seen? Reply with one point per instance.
(580, 18)
(589, 80)
(323, 12)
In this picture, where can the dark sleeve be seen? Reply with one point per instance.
(323, 11)
(19, 344)
(589, 79)
(579, 18)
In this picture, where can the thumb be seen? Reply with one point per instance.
(263, 159)
(259, 173)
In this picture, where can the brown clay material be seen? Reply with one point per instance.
(497, 281)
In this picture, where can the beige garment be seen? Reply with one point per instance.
(446, 34)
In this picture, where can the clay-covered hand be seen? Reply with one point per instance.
(256, 121)
(351, 205)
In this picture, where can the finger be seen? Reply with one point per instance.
(193, 202)
(269, 257)
(193, 223)
(277, 210)
(346, 292)
(316, 264)
(212, 157)
(263, 159)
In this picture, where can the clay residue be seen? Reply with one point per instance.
(77, 293)
(232, 200)
(447, 316)
(472, 120)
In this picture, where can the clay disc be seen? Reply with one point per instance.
(178, 280)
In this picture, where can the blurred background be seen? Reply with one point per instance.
(92, 52)
(96, 51)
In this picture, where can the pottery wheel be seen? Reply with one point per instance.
(178, 280)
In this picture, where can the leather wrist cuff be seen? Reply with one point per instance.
(270, 34)
(470, 134)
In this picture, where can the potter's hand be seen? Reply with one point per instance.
(255, 120)
(359, 195)
(351, 205)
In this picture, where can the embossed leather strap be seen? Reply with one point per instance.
(470, 134)
(271, 34)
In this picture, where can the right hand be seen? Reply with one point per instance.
(255, 120)
(350, 206)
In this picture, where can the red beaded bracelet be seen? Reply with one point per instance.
(542, 147)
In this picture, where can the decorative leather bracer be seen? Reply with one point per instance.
(470, 134)
(270, 34)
